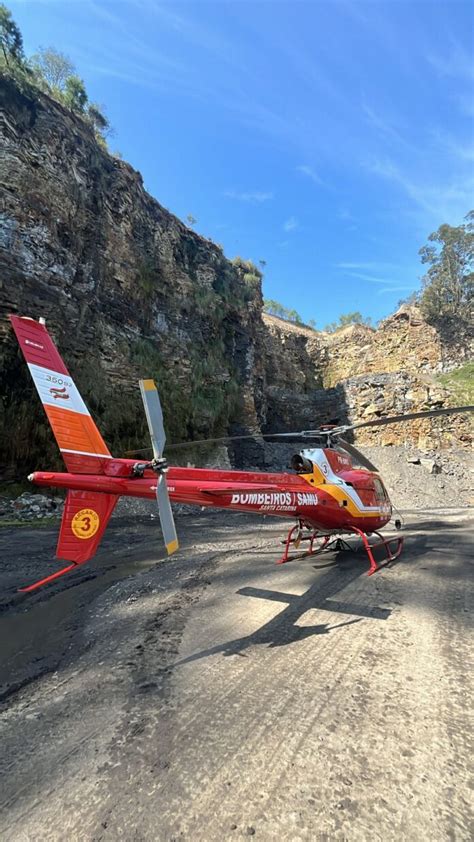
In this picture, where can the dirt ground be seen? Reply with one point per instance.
(216, 696)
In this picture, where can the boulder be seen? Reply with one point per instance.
(431, 465)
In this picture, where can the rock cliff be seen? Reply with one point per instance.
(366, 373)
(127, 290)
(124, 286)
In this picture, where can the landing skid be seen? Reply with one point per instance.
(339, 544)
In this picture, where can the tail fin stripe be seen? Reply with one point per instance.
(56, 389)
(75, 431)
(86, 453)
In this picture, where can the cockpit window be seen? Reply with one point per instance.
(380, 493)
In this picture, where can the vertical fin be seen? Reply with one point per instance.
(81, 445)
(85, 518)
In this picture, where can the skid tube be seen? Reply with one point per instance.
(384, 542)
(340, 544)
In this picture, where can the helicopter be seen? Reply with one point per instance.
(334, 489)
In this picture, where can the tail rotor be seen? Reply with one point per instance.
(154, 417)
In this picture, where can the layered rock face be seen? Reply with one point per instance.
(128, 291)
(367, 374)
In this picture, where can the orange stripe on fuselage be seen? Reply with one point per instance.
(339, 494)
(75, 431)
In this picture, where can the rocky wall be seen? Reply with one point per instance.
(126, 289)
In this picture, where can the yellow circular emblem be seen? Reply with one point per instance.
(85, 523)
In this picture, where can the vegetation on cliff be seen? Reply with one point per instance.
(274, 308)
(51, 72)
(448, 286)
(460, 382)
(346, 319)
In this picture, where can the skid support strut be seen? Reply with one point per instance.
(57, 575)
(384, 542)
(295, 536)
(298, 528)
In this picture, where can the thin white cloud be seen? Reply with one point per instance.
(371, 265)
(252, 196)
(291, 224)
(395, 289)
(445, 203)
(381, 124)
(345, 215)
(461, 150)
(389, 284)
(457, 63)
(309, 173)
(466, 105)
(370, 278)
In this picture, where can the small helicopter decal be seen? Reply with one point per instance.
(327, 495)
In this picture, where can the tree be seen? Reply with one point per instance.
(53, 67)
(447, 293)
(412, 299)
(293, 316)
(99, 121)
(75, 96)
(346, 319)
(274, 308)
(190, 219)
(11, 40)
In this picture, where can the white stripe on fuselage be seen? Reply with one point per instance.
(319, 458)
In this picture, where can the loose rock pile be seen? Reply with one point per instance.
(418, 479)
(30, 507)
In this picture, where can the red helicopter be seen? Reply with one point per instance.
(326, 496)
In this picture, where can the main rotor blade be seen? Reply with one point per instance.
(356, 454)
(197, 443)
(291, 438)
(409, 416)
(247, 437)
(154, 416)
(315, 435)
(166, 515)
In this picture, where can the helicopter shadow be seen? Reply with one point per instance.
(282, 629)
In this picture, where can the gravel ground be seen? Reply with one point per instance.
(412, 485)
(219, 696)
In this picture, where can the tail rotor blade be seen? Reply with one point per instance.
(166, 515)
(154, 417)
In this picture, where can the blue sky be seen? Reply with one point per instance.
(327, 138)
